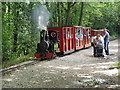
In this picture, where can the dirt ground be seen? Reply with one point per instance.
(77, 70)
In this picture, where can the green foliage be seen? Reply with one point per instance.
(18, 36)
(56, 47)
(15, 61)
(117, 64)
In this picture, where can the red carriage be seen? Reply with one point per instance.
(72, 38)
(95, 32)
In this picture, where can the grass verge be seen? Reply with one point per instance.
(117, 64)
(113, 36)
(21, 59)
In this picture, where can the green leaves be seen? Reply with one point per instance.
(17, 36)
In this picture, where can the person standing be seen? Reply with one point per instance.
(106, 41)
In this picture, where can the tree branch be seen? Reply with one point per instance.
(63, 6)
(73, 4)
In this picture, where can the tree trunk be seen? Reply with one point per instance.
(9, 15)
(15, 32)
(67, 13)
(81, 14)
(58, 11)
(62, 16)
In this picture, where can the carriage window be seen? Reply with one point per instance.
(79, 36)
(79, 33)
(96, 33)
(71, 33)
(68, 33)
(87, 32)
(65, 34)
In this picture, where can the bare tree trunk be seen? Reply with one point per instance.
(81, 14)
(67, 13)
(62, 18)
(58, 11)
(15, 32)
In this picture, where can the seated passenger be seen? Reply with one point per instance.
(78, 37)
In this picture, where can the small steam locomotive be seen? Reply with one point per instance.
(68, 40)
(45, 49)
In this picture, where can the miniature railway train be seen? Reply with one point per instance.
(68, 39)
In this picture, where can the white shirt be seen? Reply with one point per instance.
(100, 41)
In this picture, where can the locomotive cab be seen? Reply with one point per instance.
(44, 44)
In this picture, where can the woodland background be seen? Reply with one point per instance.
(20, 34)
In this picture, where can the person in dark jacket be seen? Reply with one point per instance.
(106, 41)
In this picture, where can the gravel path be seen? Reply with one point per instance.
(77, 70)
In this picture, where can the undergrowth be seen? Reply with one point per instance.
(20, 59)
